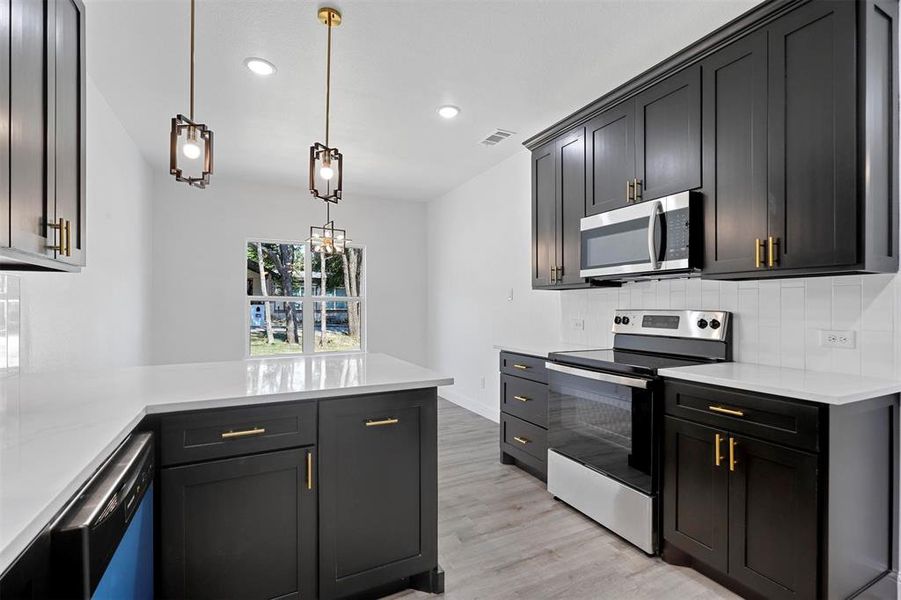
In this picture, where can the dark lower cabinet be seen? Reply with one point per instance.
(378, 491)
(773, 519)
(243, 527)
(770, 520)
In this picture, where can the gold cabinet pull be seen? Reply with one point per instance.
(68, 237)
(379, 422)
(717, 456)
(521, 398)
(628, 191)
(726, 411)
(228, 435)
(519, 366)
(636, 190)
(759, 251)
(732, 461)
(772, 251)
(309, 470)
(60, 228)
(521, 440)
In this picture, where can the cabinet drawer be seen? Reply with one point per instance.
(521, 437)
(783, 421)
(523, 365)
(524, 399)
(203, 435)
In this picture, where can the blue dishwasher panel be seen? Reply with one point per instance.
(130, 571)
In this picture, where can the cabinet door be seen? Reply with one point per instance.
(611, 157)
(812, 153)
(668, 135)
(4, 120)
(68, 144)
(28, 130)
(240, 528)
(570, 205)
(378, 496)
(735, 159)
(773, 519)
(696, 491)
(544, 214)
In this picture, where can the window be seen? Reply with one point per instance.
(299, 304)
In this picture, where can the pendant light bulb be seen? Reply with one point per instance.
(191, 149)
(326, 172)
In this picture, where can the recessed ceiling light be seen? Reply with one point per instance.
(260, 66)
(448, 111)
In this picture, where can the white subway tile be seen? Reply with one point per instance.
(877, 353)
(770, 294)
(791, 329)
(663, 293)
(818, 302)
(693, 294)
(768, 345)
(710, 295)
(747, 332)
(877, 302)
(846, 306)
(816, 358)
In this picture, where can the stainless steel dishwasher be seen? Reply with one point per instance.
(103, 543)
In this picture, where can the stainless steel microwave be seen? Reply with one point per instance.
(656, 238)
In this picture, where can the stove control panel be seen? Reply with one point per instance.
(690, 324)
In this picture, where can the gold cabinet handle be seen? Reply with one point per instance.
(519, 366)
(309, 470)
(759, 247)
(68, 237)
(726, 411)
(717, 456)
(521, 398)
(380, 422)
(732, 461)
(636, 190)
(521, 440)
(60, 228)
(772, 251)
(630, 191)
(229, 435)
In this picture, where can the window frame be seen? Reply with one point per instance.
(308, 303)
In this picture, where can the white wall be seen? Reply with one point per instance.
(99, 317)
(479, 241)
(199, 264)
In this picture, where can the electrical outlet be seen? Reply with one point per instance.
(837, 339)
(482, 383)
(578, 324)
(510, 296)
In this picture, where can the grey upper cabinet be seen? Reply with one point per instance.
(668, 135)
(812, 136)
(544, 215)
(43, 212)
(735, 155)
(610, 154)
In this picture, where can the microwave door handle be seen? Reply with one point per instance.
(656, 209)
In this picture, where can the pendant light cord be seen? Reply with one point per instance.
(192, 61)
(328, 76)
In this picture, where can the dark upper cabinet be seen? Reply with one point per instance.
(812, 137)
(43, 213)
(668, 135)
(558, 205)
(610, 154)
(544, 215)
(734, 90)
(696, 491)
(378, 492)
(773, 519)
(243, 527)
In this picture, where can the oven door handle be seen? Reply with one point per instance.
(598, 376)
(656, 210)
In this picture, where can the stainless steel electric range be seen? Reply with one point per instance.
(605, 418)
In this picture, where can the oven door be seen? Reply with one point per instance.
(606, 422)
(644, 238)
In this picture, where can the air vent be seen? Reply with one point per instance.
(497, 136)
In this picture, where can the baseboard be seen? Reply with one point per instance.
(490, 413)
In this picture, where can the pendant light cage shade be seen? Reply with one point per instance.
(328, 239)
(326, 173)
(186, 132)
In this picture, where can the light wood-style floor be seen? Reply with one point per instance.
(502, 536)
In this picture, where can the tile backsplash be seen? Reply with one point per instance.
(9, 324)
(777, 322)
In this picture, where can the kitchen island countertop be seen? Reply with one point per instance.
(56, 429)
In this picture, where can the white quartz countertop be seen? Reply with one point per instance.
(815, 386)
(57, 428)
(540, 349)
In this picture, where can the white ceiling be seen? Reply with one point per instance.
(517, 65)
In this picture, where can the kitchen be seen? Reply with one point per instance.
(495, 346)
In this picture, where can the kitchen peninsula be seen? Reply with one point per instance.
(351, 440)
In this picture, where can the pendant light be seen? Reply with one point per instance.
(326, 163)
(328, 239)
(191, 143)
